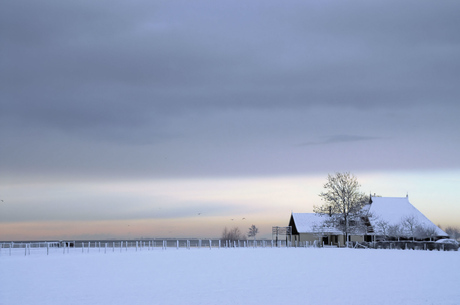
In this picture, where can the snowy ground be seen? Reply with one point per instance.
(232, 276)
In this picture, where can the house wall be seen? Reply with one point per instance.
(359, 238)
(335, 239)
(310, 237)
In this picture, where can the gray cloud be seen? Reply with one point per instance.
(222, 88)
(340, 139)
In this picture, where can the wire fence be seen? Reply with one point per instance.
(119, 246)
(408, 245)
(73, 247)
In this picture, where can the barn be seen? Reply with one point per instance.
(387, 218)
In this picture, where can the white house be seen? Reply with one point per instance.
(387, 218)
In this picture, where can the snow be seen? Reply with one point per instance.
(232, 276)
(394, 209)
(310, 222)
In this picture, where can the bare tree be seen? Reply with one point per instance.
(423, 232)
(395, 231)
(343, 203)
(453, 232)
(383, 227)
(319, 230)
(410, 224)
(253, 230)
(233, 234)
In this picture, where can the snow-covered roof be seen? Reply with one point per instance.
(393, 210)
(312, 222)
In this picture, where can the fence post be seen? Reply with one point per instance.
(219, 243)
(210, 244)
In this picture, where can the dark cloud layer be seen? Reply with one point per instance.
(340, 139)
(180, 88)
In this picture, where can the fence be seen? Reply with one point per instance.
(72, 247)
(410, 245)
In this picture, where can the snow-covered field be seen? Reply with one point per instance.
(233, 276)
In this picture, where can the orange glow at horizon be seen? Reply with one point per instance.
(202, 208)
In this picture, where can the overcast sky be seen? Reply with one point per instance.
(143, 96)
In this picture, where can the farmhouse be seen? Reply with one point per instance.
(388, 218)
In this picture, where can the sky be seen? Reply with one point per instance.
(179, 118)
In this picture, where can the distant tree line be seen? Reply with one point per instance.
(454, 232)
(234, 234)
